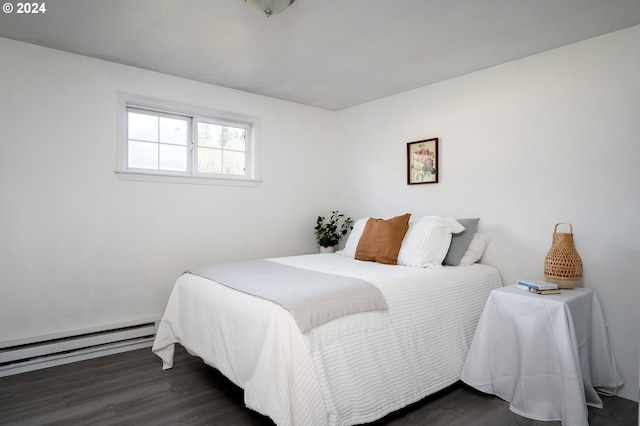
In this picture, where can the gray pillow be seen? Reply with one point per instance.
(460, 242)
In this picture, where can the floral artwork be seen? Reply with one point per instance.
(422, 161)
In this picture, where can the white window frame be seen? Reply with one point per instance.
(195, 114)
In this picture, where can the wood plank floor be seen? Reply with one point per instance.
(131, 389)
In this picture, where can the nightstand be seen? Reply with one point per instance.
(545, 354)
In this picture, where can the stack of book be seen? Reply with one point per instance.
(538, 287)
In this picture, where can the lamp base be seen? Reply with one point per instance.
(567, 283)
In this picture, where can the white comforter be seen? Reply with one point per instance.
(348, 371)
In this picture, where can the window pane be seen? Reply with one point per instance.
(143, 127)
(209, 160)
(234, 138)
(233, 163)
(143, 155)
(170, 140)
(209, 135)
(173, 131)
(173, 158)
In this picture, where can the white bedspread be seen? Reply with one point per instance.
(336, 374)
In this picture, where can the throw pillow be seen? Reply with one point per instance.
(381, 239)
(460, 242)
(476, 249)
(427, 241)
(353, 239)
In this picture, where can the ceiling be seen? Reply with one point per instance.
(330, 54)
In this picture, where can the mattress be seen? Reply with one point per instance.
(348, 371)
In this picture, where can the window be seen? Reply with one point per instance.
(164, 141)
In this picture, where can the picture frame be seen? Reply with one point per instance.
(422, 162)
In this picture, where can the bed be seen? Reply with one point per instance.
(350, 370)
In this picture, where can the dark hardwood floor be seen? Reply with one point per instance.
(132, 389)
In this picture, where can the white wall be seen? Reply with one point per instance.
(78, 247)
(550, 138)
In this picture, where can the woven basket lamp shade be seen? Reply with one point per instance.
(563, 265)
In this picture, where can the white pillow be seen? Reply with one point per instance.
(476, 249)
(427, 241)
(353, 239)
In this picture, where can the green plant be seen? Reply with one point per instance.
(329, 233)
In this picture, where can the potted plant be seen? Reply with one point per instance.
(329, 232)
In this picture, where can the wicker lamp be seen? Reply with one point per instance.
(563, 265)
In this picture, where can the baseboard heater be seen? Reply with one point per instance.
(34, 354)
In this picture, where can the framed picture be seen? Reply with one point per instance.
(422, 161)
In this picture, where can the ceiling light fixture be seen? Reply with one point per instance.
(269, 7)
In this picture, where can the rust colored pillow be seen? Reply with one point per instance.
(381, 239)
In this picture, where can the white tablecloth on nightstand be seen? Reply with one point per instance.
(543, 353)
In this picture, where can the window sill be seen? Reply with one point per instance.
(193, 180)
